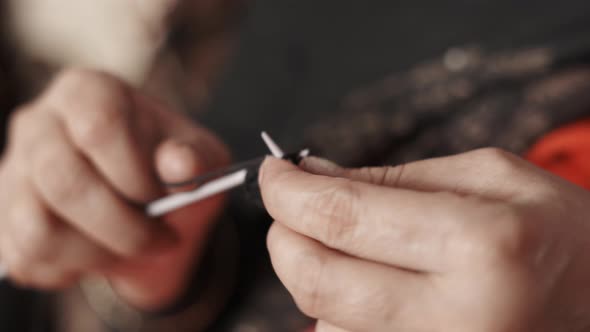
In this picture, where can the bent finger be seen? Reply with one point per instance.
(100, 115)
(354, 294)
(74, 191)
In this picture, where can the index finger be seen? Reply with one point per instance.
(100, 115)
(401, 227)
(74, 191)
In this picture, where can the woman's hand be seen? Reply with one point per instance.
(481, 241)
(81, 162)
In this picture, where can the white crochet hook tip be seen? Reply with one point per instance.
(170, 203)
(272, 146)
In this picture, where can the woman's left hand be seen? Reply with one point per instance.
(481, 241)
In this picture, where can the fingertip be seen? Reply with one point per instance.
(280, 181)
(178, 161)
(271, 166)
(320, 166)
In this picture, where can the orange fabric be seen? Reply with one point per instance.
(565, 152)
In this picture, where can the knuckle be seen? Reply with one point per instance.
(365, 173)
(68, 179)
(501, 161)
(503, 237)
(93, 102)
(392, 175)
(513, 239)
(379, 175)
(338, 207)
(97, 124)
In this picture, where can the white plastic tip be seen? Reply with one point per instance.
(170, 203)
(304, 153)
(272, 146)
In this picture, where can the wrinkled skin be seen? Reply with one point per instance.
(481, 241)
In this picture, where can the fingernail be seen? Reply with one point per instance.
(320, 166)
